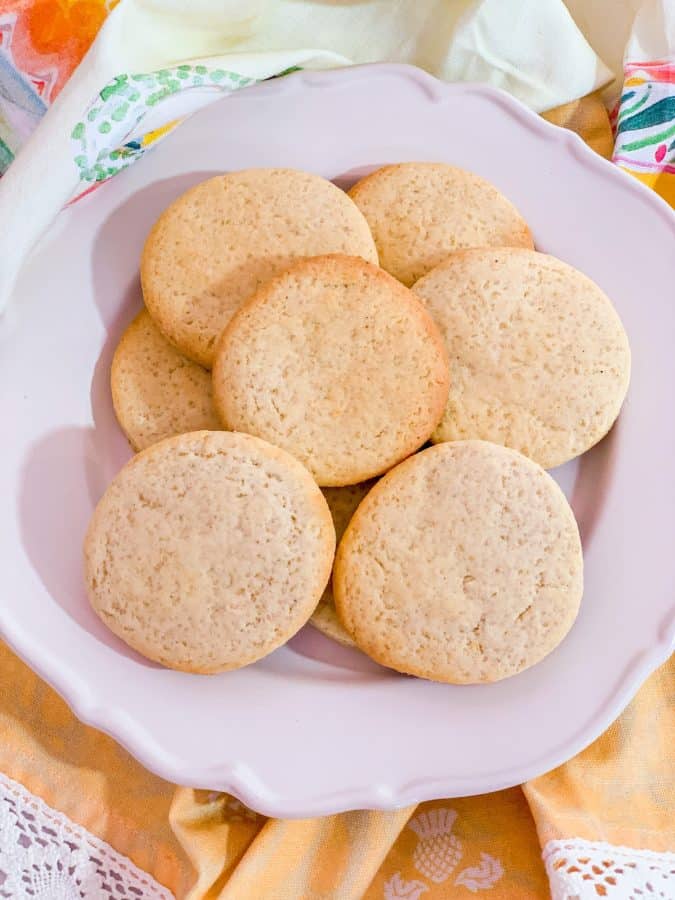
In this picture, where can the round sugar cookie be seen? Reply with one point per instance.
(218, 242)
(336, 362)
(342, 503)
(420, 212)
(208, 551)
(539, 357)
(463, 564)
(156, 391)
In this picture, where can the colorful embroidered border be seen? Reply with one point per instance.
(645, 123)
(102, 144)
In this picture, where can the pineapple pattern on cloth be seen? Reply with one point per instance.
(438, 850)
(436, 856)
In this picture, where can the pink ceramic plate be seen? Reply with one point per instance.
(316, 728)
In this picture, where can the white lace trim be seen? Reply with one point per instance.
(45, 856)
(588, 870)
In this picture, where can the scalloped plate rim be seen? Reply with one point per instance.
(236, 777)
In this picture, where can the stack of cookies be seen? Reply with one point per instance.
(298, 349)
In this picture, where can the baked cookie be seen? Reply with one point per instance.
(208, 551)
(156, 392)
(336, 362)
(540, 360)
(342, 503)
(463, 564)
(420, 212)
(217, 243)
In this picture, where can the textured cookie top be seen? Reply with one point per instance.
(156, 391)
(336, 362)
(463, 565)
(342, 503)
(208, 550)
(420, 212)
(218, 242)
(539, 357)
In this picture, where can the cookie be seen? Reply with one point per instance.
(420, 212)
(217, 243)
(208, 551)
(540, 360)
(156, 391)
(342, 503)
(336, 362)
(463, 564)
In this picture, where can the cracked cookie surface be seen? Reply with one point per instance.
(217, 243)
(342, 503)
(463, 564)
(208, 551)
(338, 363)
(540, 360)
(420, 212)
(156, 391)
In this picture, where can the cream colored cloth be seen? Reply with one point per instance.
(531, 48)
(607, 25)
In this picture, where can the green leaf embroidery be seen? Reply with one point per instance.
(660, 112)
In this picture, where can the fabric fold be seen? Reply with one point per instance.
(534, 50)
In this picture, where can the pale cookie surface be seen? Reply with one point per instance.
(336, 362)
(342, 502)
(419, 213)
(217, 243)
(208, 551)
(157, 392)
(462, 565)
(539, 358)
